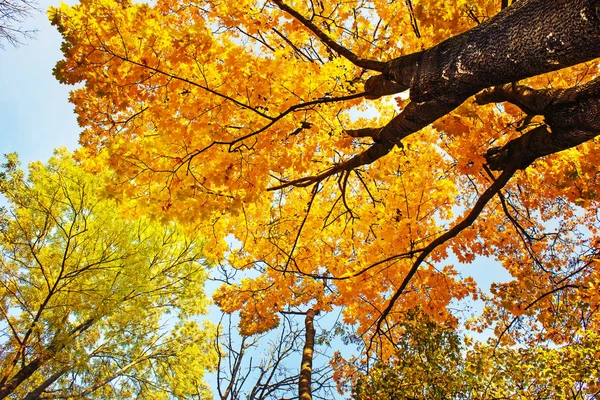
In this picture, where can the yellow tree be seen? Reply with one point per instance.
(341, 144)
(86, 289)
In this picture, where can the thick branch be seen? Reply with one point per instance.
(529, 38)
(304, 390)
(363, 132)
(531, 101)
(573, 116)
(57, 345)
(413, 118)
(37, 392)
(399, 75)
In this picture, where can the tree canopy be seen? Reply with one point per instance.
(352, 147)
(433, 362)
(86, 290)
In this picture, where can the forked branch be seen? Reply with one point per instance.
(373, 65)
(571, 116)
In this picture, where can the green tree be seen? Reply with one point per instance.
(435, 362)
(427, 364)
(95, 302)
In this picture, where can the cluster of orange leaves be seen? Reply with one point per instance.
(189, 103)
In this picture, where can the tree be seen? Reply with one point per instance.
(427, 364)
(432, 362)
(265, 366)
(13, 13)
(272, 121)
(86, 289)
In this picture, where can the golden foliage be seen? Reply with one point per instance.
(223, 115)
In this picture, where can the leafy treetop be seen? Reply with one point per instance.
(86, 291)
(273, 121)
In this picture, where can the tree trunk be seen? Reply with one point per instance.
(304, 389)
(529, 38)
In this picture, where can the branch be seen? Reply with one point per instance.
(368, 156)
(557, 289)
(458, 228)
(443, 77)
(341, 50)
(454, 69)
(15, 12)
(364, 132)
(413, 19)
(413, 118)
(37, 392)
(297, 107)
(126, 59)
(572, 114)
(302, 224)
(53, 348)
(531, 101)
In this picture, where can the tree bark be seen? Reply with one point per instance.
(528, 38)
(304, 383)
(37, 392)
(573, 116)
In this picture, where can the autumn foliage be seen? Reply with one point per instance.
(95, 303)
(282, 125)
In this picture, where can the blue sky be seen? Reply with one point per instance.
(35, 115)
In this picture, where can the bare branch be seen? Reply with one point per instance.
(12, 14)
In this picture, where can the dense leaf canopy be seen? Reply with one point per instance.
(286, 125)
(86, 291)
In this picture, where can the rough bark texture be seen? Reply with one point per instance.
(573, 116)
(304, 389)
(528, 38)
